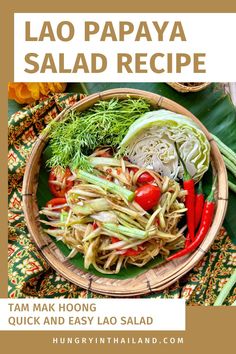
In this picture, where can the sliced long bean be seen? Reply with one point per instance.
(225, 290)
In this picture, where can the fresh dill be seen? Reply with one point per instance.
(80, 133)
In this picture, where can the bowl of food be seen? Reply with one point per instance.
(110, 192)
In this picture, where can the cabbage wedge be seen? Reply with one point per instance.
(149, 143)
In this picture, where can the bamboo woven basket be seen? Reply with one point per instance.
(157, 278)
(178, 86)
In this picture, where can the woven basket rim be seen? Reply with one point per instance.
(178, 86)
(181, 84)
(145, 283)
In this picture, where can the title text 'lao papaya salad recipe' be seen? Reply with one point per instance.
(126, 182)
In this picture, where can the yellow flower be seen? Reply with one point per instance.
(28, 92)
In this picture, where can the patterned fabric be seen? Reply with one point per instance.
(29, 273)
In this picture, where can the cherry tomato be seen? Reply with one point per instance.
(57, 190)
(55, 202)
(147, 196)
(145, 177)
(130, 251)
(134, 169)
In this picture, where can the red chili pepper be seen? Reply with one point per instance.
(199, 203)
(189, 203)
(206, 221)
(188, 184)
(130, 251)
(95, 225)
(55, 202)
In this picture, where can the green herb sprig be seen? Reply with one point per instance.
(80, 133)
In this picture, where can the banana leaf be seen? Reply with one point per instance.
(212, 106)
